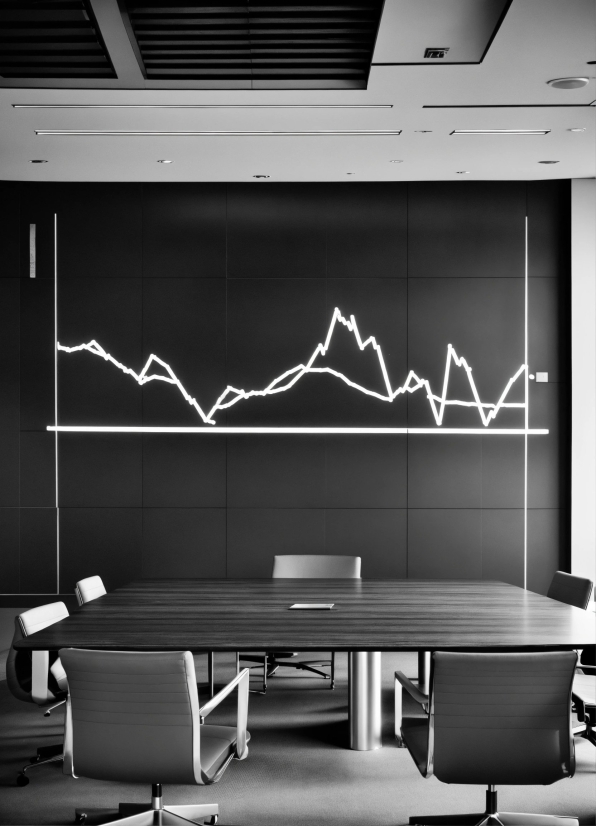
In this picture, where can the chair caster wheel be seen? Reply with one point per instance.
(211, 821)
(81, 818)
(46, 714)
(22, 779)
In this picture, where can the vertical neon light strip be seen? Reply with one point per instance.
(56, 396)
(527, 413)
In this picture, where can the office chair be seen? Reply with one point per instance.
(304, 566)
(135, 717)
(92, 587)
(576, 591)
(492, 719)
(572, 590)
(19, 675)
(89, 589)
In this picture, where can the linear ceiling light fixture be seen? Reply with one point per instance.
(209, 133)
(500, 132)
(200, 106)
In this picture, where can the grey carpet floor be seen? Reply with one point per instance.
(299, 771)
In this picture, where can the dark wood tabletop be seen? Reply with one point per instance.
(369, 615)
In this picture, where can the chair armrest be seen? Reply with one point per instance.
(240, 682)
(40, 693)
(412, 689)
(401, 683)
(586, 669)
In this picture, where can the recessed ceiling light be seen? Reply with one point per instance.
(463, 172)
(215, 133)
(568, 82)
(37, 161)
(548, 161)
(577, 129)
(164, 161)
(395, 161)
(500, 132)
(261, 176)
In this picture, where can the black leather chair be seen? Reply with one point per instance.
(135, 716)
(572, 590)
(493, 719)
(19, 675)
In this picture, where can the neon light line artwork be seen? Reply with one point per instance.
(487, 411)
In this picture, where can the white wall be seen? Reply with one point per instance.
(583, 354)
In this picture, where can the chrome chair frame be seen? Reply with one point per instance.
(156, 812)
(491, 816)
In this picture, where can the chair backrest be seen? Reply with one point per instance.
(573, 590)
(18, 663)
(89, 589)
(313, 566)
(132, 716)
(501, 718)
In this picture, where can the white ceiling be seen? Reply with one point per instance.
(538, 40)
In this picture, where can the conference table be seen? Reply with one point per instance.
(368, 617)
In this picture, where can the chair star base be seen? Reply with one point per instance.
(151, 814)
(167, 816)
(492, 817)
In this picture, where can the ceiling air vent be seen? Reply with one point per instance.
(266, 44)
(51, 39)
(435, 53)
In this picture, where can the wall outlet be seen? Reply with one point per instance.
(541, 376)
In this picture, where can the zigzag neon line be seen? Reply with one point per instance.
(232, 395)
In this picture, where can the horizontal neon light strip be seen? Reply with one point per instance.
(266, 133)
(500, 132)
(484, 431)
(201, 106)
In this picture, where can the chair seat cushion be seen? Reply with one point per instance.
(59, 674)
(584, 687)
(415, 735)
(217, 743)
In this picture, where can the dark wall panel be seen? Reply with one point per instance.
(379, 537)
(232, 287)
(276, 232)
(105, 540)
(445, 544)
(466, 229)
(38, 550)
(184, 230)
(184, 542)
(179, 471)
(256, 535)
(9, 347)
(276, 471)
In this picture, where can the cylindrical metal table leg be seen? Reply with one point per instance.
(364, 686)
(424, 671)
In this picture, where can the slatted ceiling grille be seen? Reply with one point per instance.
(51, 39)
(324, 43)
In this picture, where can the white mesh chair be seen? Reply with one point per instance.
(135, 717)
(304, 566)
(20, 679)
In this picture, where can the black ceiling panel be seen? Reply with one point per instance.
(51, 39)
(271, 44)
